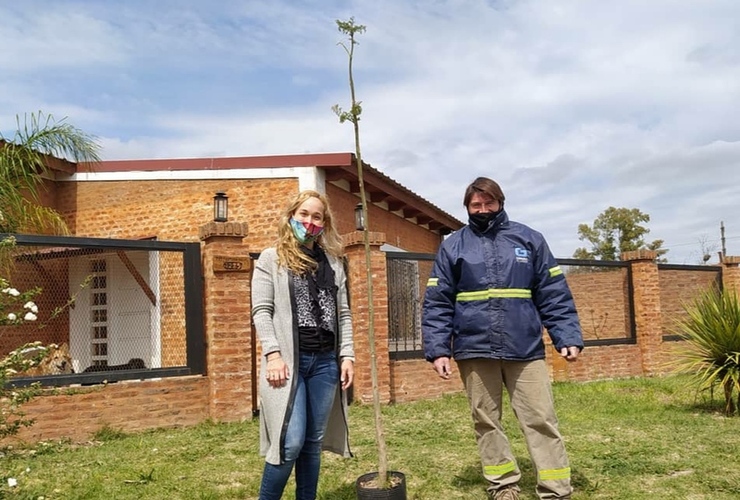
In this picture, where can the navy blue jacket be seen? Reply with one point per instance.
(490, 294)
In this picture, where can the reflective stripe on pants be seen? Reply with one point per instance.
(528, 385)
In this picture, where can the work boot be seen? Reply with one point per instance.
(507, 493)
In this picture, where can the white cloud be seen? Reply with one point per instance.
(52, 39)
(573, 106)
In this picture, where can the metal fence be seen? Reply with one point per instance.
(603, 292)
(680, 285)
(118, 309)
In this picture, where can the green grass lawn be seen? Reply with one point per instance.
(629, 439)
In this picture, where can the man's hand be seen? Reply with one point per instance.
(570, 353)
(442, 367)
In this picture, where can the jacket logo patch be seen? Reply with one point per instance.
(521, 254)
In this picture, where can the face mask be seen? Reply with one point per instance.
(481, 221)
(305, 232)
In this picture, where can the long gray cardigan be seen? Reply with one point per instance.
(277, 330)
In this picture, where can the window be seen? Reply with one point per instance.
(99, 312)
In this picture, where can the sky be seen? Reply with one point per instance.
(573, 106)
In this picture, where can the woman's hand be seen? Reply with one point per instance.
(277, 370)
(348, 373)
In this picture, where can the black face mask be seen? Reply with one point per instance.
(481, 221)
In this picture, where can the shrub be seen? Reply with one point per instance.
(711, 353)
(16, 308)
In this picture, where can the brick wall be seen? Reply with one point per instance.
(595, 363)
(229, 357)
(415, 379)
(172, 210)
(358, 283)
(78, 412)
(398, 231)
(601, 300)
(731, 273)
(132, 209)
(678, 288)
(225, 393)
(181, 210)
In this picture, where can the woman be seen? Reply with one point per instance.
(302, 317)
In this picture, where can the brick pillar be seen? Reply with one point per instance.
(731, 273)
(646, 295)
(355, 250)
(226, 272)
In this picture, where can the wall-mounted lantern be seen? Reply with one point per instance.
(220, 207)
(359, 218)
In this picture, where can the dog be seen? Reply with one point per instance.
(133, 364)
(55, 360)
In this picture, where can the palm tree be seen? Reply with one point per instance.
(711, 353)
(24, 164)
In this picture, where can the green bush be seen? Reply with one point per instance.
(711, 352)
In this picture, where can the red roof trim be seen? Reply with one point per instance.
(236, 162)
(411, 203)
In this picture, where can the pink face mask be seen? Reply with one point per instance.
(305, 231)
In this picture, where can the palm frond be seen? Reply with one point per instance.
(711, 351)
(24, 165)
(57, 138)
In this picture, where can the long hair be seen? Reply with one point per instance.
(288, 248)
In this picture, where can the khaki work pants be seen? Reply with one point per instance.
(528, 385)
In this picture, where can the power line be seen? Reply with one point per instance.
(716, 240)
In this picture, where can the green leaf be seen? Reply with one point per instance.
(711, 348)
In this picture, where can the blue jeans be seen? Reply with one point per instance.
(316, 384)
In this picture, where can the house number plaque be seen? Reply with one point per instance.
(230, 264)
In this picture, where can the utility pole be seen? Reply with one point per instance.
(722, 237)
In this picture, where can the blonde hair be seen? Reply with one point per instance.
(288, 248)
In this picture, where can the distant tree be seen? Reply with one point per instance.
(24, 166)
(706, 249)
(614, 231)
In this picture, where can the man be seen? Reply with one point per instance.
(493, 286)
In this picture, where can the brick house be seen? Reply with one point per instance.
(627, 308)
(172, 200)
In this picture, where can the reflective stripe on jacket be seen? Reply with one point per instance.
(490, 294)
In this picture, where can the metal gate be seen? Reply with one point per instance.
(407, 280)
